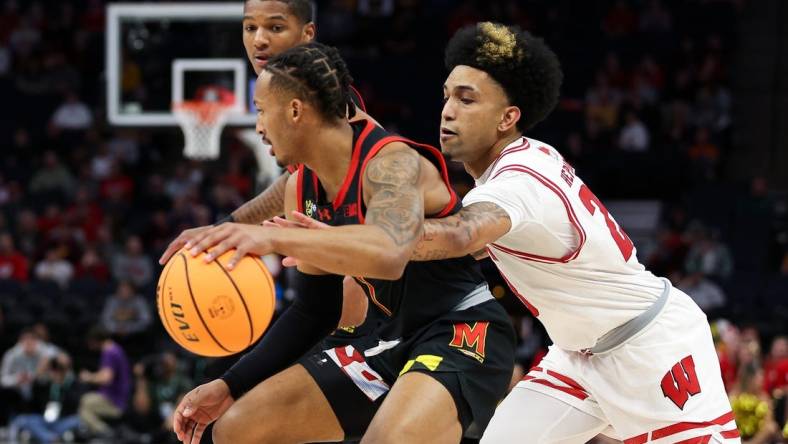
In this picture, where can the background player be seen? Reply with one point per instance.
(444, 354)
(630, 351)
(269, 28)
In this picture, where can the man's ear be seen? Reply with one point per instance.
(308, 33)
(296, 110)
(511, 115)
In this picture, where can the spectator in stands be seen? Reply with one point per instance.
(52, 178)
(707, 294)
(26, 232)
(704, 155)
(92, 266)
(55, 402)
(55, 268)
(21, 365)
(753, 408)
(113, 379)
(133, 265)
(72, 114)
(13, 264)
(776, 368)
(162, 381)
(708, 256)
(125, 313)
(634, 135)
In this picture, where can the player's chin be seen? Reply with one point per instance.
(451, 151)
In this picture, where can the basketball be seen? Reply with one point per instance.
(211, 310)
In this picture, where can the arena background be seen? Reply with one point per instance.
(674, 112)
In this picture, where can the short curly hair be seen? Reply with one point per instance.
(525, 67)
(302, 9)
(317, 74)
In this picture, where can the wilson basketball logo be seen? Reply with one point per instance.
(681, 382)
(222, 307)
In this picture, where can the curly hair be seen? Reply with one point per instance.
(302, 9)
(317, 74)
(525, 67)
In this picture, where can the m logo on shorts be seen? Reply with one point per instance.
(681, 382)
(471, 340)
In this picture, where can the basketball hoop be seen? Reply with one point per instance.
(202, 123)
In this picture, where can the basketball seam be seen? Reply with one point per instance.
(197, 307)
(270, 282)
(243, 301)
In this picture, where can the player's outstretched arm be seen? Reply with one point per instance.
(381, 248)
(467, 232)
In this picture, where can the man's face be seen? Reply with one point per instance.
(474, 106)
(274, 120)
(269, 28)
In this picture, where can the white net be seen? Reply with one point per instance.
(202, 123)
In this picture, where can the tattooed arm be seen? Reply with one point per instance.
(466, 232)
(265, 205)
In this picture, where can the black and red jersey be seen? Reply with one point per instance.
(427, 289)
(358, 100)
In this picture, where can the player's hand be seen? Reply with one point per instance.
(354, 304)
(185, 239)
(200, 407)
(299, 220)
(243, 238)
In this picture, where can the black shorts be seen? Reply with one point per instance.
(470, 352)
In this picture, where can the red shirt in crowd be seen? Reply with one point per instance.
(14, 266)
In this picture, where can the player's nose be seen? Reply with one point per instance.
(260, 39)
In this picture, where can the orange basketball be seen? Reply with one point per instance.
(210, 310)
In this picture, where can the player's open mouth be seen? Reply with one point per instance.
(261, 59)
(447, 133)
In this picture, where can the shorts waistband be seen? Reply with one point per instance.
(623, 332)
(478, 296)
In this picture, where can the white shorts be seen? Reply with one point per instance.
(663, 385)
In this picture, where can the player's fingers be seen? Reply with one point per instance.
(174, 246)
(307, 221)
(240, 252)
(208, 239)
(178, 422)
(218, 250)
(197, 433)
(289, 261)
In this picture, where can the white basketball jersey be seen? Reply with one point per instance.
(565, 257)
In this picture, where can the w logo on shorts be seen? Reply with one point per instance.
(681, 382)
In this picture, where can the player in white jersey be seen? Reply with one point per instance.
(632, 356)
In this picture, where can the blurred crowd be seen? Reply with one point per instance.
(86, 209)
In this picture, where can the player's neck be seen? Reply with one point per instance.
(331, 158)
(477, 167)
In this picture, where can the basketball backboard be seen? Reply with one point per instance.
(160, 53)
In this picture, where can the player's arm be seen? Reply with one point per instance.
(467, 232)
(382, 247)
(265, 205)
(313, 314)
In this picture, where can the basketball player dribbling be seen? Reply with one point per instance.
(443, 355)
(269, 28)
(633, 356)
